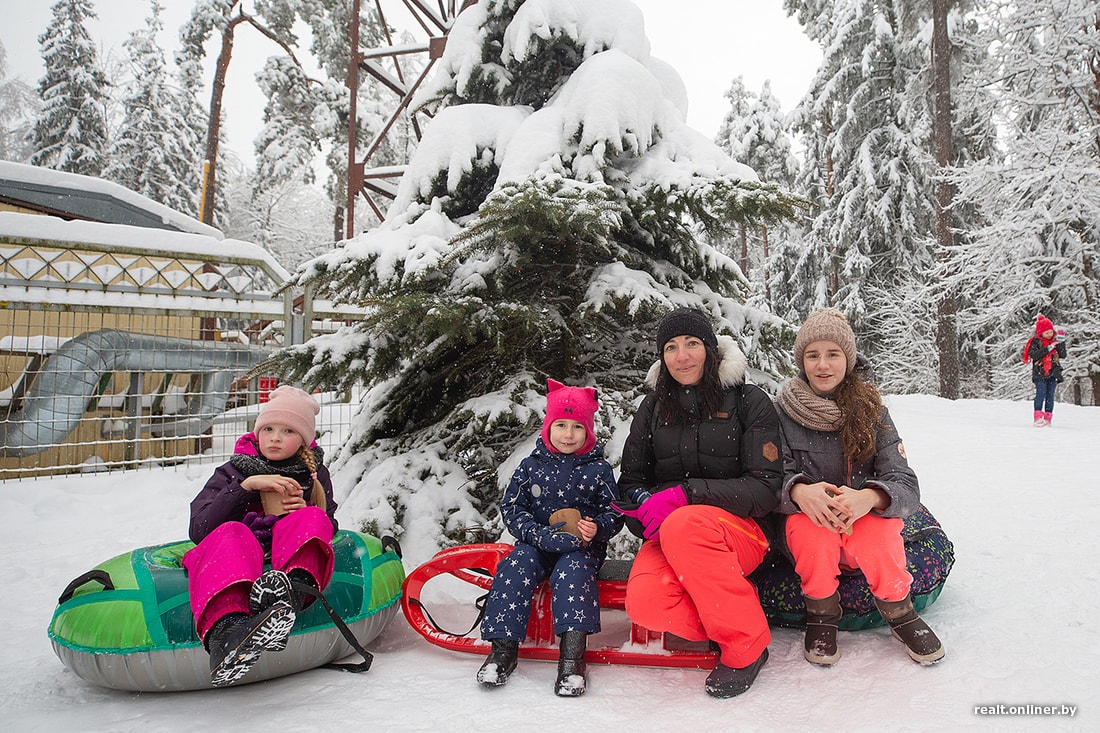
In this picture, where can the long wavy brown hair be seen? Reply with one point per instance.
(860, 403)
(317, 491)
(711, 392)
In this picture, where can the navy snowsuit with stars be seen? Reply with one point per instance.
(545, 482)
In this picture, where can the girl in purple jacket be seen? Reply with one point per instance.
(272, 502)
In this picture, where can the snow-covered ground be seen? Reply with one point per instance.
(1017, 615)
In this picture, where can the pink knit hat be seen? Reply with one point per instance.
(292, 407)
(570, 403)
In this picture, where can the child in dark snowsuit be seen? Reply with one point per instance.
(565, 475)
(240, 610)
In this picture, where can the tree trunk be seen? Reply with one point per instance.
(214, 127)
(764, 267)
(947, 308)
(744, 252)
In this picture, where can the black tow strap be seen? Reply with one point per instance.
(479, 604)
(342, 627)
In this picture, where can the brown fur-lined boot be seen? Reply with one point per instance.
(921, 642)
(822, 617)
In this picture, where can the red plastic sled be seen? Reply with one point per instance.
(476, 564)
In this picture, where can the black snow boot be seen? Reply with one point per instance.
(920, 642)
(822, 617)
(268, 589)
(237, 640)
(303, 599)
(500, 663)
(726, 681)
(571, 665)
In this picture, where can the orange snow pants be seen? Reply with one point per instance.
(691, 582)
(874, 546)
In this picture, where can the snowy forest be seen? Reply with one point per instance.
(939, 182)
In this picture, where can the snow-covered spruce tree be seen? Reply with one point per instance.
(1039, 250)
(70, 133)
(156, 151)
(867, 125)
(753, 132)
(541, 230)
(18, 107)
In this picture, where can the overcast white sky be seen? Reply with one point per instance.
(707, 42)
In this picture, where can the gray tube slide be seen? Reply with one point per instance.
(69, 379)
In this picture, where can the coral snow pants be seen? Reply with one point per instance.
(221, 568)
(691, 582)
(874, 546)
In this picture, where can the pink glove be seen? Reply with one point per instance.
(655, 510)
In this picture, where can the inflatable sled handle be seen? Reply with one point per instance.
(390, 544)
(342, 628)
(101, 575)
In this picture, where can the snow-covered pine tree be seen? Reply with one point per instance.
(1038, 251)
(155, 152)
(753, 131)
(555, 209)
(868, 159)
(877, 209)
(70, 133)
(18, 107)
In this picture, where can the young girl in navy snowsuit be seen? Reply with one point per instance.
(558, 507)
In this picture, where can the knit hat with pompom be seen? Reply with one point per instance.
(826, 324)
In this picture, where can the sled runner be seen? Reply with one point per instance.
(476, 564)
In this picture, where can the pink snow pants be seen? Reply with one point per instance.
(874, 546)
(221, 568)
(691, 582)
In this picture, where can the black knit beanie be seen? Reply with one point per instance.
(686, 322)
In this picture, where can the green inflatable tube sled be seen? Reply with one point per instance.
(127, 623)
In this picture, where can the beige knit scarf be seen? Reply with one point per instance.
(807, 408)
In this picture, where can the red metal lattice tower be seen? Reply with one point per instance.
(363, 179)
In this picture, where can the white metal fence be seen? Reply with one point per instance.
(122, 346)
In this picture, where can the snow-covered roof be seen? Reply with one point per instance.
(73, 196)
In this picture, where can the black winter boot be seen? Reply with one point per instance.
(571, 665)
(921, 642)
(726, 681)
(268, 589)
(237, 640)
(300, 599)
(501, 662)
(822, 617)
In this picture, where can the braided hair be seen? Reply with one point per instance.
(317, 491)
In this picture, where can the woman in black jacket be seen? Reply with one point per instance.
(702, 464)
